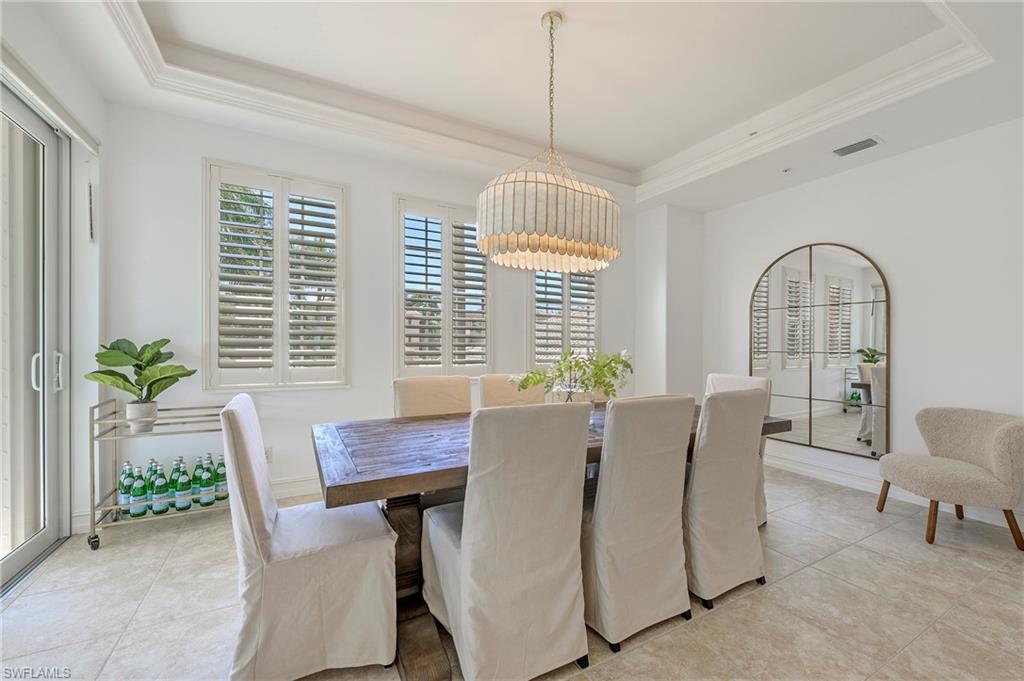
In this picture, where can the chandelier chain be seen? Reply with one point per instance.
(551, 85)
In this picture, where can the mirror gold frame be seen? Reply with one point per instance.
(814, 353)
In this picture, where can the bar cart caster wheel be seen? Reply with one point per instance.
(94, 542)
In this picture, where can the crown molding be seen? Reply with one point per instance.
(134, 29)
(822, 108)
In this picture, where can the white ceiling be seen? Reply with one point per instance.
(437, 107)
(635, 82)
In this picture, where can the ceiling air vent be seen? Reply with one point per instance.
(855, 147)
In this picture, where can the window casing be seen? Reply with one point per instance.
(444, 300)
(798, 291)
(275, 287)
(838, 321)
(564, 315)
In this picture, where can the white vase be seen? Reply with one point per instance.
(140, 416)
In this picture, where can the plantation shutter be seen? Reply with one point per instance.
(423, 295)
(564, 315)
(839, 296)
(245, 276)
(275, 315)
(548, 331)
(469, 297)
(798, 291)
(759, 325)
(313, 295)
(583, 313)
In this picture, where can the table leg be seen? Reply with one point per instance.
(421, 655)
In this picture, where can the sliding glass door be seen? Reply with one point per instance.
(30, 362)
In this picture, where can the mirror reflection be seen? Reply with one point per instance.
(819, 320)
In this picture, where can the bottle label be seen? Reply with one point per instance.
(183, 502)
(159, 503)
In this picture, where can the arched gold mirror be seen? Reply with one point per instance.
(819, 330)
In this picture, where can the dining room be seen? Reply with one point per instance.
(437, 341)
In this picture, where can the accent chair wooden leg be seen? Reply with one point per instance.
(882, 496)
(1011, 520)
(959, 511)
(933, 516)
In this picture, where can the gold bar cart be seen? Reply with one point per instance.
(107, 423)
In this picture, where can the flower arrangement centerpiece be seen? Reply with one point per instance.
(576, 373)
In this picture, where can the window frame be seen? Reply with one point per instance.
(450, 213)
(281, 376)
(531, 312)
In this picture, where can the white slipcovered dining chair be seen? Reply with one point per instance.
(717, 383)
(317, 584)
(723, 546)
(975, 458)
(864, 431)
(497, 391)
(634, 564)
(501, 571)
(432, 395)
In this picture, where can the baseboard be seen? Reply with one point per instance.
(284, 488)
(866, 482)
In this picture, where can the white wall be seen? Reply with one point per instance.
(944, 225)
(153, 267)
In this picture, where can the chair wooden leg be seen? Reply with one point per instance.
(882, 496)
(1011, 520)
(708, 603)
(688, 615)
(933, 516)
(959, 511)
(614, 647)
(583, 662)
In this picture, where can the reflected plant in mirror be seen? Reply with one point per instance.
(575, 373)
(871, 355)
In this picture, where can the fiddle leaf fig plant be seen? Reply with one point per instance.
(871, 355)
(577, 373)
(152, 375)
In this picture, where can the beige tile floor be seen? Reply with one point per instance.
(851, 594)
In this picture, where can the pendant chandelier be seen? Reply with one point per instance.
(539, 216)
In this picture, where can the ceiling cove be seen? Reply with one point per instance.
(925, 62)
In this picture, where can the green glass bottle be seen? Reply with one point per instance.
(150, 474)
(183, 492)
(220, 480)
(124, 489)
(197, 475)
(160, 492)
(172, 482)
(138, 496)
(206, 488)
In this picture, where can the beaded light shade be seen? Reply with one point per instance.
(539, 216)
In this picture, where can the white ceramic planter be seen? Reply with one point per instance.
(140, 416)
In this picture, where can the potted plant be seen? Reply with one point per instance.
(152, 377)
(576, 373)
(871, 355)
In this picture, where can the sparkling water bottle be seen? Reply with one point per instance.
(172, 482)
(197, 475)
(138, 495)
(206, 488)
(150, 475)
(220, 480)
(160, 492)
(124, 489)
(183, 492)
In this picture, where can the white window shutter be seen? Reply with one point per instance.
(799, 291)
(468, 297)
(839, 298)
(759, 325)
(314, 293)
(564, 315)
(583, 312)
(276, 281)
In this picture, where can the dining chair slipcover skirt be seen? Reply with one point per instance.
(879, 439)
(723, 547)
(432, 395)
(634, 567)
(317, 585)
(501, 570)
(864, 431)
(496, 391)
(723, 382)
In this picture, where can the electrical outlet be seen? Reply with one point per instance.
(269, 452)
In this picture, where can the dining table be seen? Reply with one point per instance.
(396, 461)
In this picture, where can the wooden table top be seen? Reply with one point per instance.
(377, 459)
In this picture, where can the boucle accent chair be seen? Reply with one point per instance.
(976, 459)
